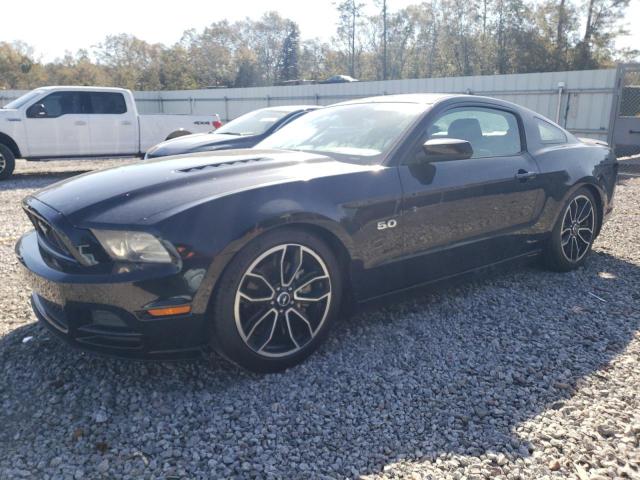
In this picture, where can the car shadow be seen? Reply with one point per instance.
(453, 369)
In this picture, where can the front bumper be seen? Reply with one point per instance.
(107, 315)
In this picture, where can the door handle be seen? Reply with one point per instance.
(80, 123)
(523, 175)
(126, 122)
(634, 131)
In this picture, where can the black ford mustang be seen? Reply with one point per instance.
(252, 251)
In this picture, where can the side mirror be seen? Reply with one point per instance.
(444, 149)
(38, 110)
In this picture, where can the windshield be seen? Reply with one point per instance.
(363, 133)
(20, 101)
(253, 123)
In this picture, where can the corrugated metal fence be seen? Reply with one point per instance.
(579, 100)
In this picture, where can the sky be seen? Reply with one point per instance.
(53, 27)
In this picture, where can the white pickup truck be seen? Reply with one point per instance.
(64, 122)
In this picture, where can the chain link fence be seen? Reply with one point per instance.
(630, 101)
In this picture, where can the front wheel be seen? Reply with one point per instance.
(574, 232)
(7, 162)
(276, 301)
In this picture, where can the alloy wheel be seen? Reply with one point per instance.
(3, 163)
(282, 300)
(578, 226)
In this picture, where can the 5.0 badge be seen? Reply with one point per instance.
(388, 224)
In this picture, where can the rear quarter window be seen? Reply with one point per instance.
(550, 133)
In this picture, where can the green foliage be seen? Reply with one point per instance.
(288, 66)
(431, 39)
(18, 69)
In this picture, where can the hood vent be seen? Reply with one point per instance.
(221, 164)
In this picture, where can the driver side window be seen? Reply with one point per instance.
(57, 104)
(491, 132)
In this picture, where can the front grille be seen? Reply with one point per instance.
(48, 233)
(108, 329)
(98, 337)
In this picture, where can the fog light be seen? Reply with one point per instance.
(167, 311)
(106, 318)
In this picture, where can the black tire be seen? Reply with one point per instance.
(7, 162)
(571, 239)
(247, 289)
(177, 133)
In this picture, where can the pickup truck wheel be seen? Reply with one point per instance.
(7, 162)
(178, 133)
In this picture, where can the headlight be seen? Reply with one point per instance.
(133, 246)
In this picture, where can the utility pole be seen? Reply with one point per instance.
(384, 39)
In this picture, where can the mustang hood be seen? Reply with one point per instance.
(189, 143)
(140, 192)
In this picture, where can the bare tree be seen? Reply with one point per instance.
(350, 13)
(602, 25)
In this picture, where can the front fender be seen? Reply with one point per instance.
(8, 139)
(220, 229)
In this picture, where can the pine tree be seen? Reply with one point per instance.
(288, 65)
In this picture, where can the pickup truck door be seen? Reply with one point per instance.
(113, 125)
(56, 126)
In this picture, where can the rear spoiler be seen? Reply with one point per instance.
(593, 141)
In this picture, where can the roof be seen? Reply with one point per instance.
(78, 87)
(422, 98)
(291, 108)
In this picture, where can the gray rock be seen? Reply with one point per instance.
(101, 416)
(103, 466)
(518, 373)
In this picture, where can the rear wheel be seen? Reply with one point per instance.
(276, 301)
(573, 235)
(177, 133)
(7, 162)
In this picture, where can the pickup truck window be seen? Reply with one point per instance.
(106, 103)
(57, 104)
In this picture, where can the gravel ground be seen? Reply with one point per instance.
(517, 373)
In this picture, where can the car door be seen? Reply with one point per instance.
(461, 214)
(56, 126)
(112, 128)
